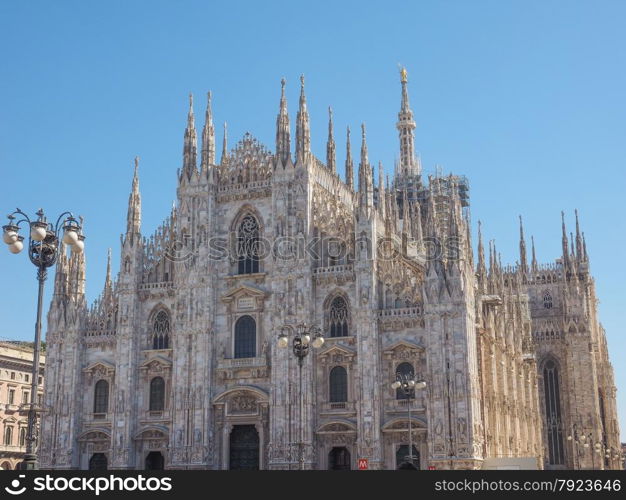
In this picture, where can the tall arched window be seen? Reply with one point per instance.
(157, 394)
(245, 337)
(22, 437)
(338, 385)
(405, 369)
(8, 436)
(161, 331)
(547, 300)
(248, 245)
(101, 397)
(552, 394)
(338, 317)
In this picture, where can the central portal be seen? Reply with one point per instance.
(244, 448)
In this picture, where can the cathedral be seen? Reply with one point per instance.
(178, 365)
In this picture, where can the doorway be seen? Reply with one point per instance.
(155, 461)
(244, 448)
(339, 459)
(403, 452)
(98, 461)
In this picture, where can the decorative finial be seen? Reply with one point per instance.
(209, 95)
(283, 82)
(302, 80)
(330, 112)
(190, 100)
(136, 162)
(403, 75)
(363, 130)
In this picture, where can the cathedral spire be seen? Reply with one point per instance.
(579, 241)
(330, 144)
(381, 190)
(208, 137)
(303, 130)
(283, 134)
(191, 143)
(406, 126)
(349, 163)
(366, 191)
(108, 283)
(585, 257)
(482, 268)
(133, 219)
(564, 242)
(522, 246)
(364, 156)
(224, 159)
(534, 258)
(417, 227)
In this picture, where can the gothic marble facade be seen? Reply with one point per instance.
(176, 365)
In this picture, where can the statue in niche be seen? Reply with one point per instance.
(438, 428)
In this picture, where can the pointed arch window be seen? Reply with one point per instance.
(245, 337)
(405, 370)
(22, 437)
(248, 245)
(552, 395)
(338, 385)
(101, 397)
(157, 394)
(547, 300)
(338, 317)
(161, 331)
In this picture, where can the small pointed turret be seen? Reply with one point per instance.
(579, 240)
(303, 130)
(564, 242)
(366, 182)
(349, 163)
(381, 190)
(482, 268)
(283, 133)
(405, 211)
(585, 256)
(330, 144)
(224, 159)
(133, 218)
(191, 143)
(522, 246)
(534, 257)
(418, 234)
(208, 137)
(107, 281)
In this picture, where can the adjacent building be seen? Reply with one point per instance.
(176, 364)
(16, 365)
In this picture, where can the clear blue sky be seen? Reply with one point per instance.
(525, 98)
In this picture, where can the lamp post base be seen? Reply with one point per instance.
(30, 462)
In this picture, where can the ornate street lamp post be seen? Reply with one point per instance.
(408, 385)
(305, 338)
(43, 251)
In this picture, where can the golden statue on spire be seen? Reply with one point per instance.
(403, 75)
